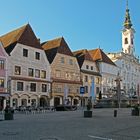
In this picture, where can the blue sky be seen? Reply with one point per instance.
(85, 24)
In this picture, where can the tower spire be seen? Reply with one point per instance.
(126, 4)
(127, 22)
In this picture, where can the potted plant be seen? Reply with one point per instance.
(88, 112)
(135, 110)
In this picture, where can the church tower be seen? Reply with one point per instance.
(128, 34)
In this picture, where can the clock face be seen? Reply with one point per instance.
(125, 33)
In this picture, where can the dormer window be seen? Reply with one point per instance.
(126, 41)
(25, 52)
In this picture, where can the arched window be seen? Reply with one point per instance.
(132, 41)
(126, 40)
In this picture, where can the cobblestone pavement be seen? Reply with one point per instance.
(71, 125)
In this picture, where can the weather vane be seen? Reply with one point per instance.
(127, 4)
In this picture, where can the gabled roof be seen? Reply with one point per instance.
(82, 55)
(99, 55)
(58, 45)
(2, 50)
(23, 35)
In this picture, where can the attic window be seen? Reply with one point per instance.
(25, 52)
(62, 60)
(87, 66)
(37, 55)
(71, 62)
(91, 67)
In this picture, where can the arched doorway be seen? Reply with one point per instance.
(1, 102)
(56, 101)
(76, 102)
(83, 102)
(44, 101)
(24, 102)
(33, 102)
(15, 102)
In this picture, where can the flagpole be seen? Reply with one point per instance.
(92, 93)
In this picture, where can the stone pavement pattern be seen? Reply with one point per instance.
(71, 125)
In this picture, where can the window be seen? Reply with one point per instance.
(86, 78)
(17, 70)
(37, 73)
(97, 80)
(62, 60)
(87, 67)
(126, 41)
(43, 74)
(86, 89)
(1, 83)
(19, 86)
(37, 55)
(25, 52)
(1, 64)
(91, 67)
(71, 62)
(132, 41)
(33, 87)
(31, 72)
(44, 88)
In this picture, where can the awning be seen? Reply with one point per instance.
(4, 94)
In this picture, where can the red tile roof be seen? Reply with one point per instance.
(23, 35)
(99, 55)
(58, 45)
(82, 55)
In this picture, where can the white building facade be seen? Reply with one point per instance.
(108, 71)
(28, 70)
(126, 61)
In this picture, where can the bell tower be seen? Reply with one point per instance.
(128, 34)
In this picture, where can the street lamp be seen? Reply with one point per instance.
(118, 90)
(132, 90)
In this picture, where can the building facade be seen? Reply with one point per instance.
(89, 74)
(4, 95)
(28, 68)
(126, 61)
(108, 71)
(65, 72)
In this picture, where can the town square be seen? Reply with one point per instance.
(70, 70)
(71, 125)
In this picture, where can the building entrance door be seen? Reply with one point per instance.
(1, 103)
(56, 101)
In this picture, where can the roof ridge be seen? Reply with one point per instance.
(16, 34)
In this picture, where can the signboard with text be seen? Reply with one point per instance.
(82, 90)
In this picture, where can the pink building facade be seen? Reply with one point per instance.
(3, 78)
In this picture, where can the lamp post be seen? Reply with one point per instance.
(118, 89)
(132, 90)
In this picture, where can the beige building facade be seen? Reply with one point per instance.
(65, 73)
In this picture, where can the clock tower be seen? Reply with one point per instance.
(128, 34)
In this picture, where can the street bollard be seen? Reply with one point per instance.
(115, 113)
